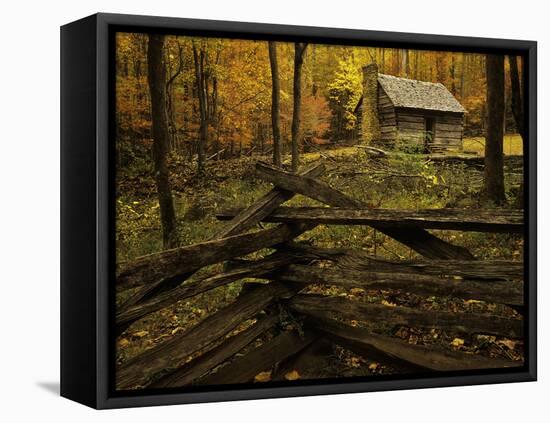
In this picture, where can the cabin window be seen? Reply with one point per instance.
(429, 133)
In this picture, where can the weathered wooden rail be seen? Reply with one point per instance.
(227, 337)
(497, 220)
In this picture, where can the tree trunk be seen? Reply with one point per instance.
(299, 50)
(275, 100)
(452, 71)
(214, 118)
(396, 61)
(203, 115)
(314, 72)
(405, 67)
(157, 82)
(494, 161)
(517, 103)
(170, 105)
(462, 75)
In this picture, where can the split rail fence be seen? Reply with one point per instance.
(188, 358)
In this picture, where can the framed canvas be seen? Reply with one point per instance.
(257, 211)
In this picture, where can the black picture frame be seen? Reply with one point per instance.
(86, 206)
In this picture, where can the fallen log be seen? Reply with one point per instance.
(418, 239)
(186, 374)
(469, 323)
(216, 154)
(244, 368)
(249, 152)
(138, 371)
(396, 352)
(505, 292)
(495, 220)
(373, 151)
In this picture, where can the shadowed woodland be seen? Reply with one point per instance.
(294, 211)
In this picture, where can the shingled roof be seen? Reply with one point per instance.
(415, 94)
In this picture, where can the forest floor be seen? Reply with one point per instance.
(402, 181)
(513, 145)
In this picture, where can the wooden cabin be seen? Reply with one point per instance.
(404, 112)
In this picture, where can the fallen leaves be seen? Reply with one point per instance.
(292, 375)
(140, 334)
(457, 342)
(263, 377)
(508, 343)
(355, 361)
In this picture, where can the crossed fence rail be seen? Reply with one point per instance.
(161, 279)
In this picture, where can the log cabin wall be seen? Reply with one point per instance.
(388, 119)
(411, 127)
(446, 133)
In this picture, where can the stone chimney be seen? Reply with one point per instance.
(370, 126)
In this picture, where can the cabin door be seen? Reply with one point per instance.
(429, 133)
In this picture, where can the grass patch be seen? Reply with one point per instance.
(513, 145)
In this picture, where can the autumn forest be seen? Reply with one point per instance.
(292, 211)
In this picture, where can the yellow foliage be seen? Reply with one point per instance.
(457, 342)
(123, 343)
(373, 366)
